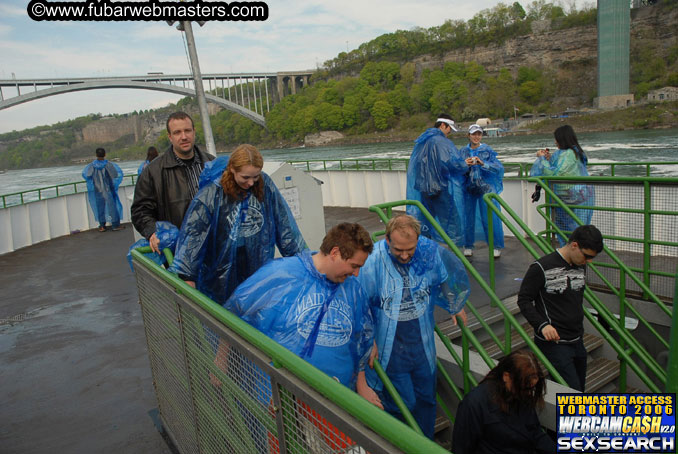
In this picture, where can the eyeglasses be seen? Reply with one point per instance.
(587, 256)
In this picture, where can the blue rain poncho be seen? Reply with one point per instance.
(167, 234)
(565, 163)
(434, 177)
(436, 277)
(325, 323)
(222, 242)
(143, 166)
(103, 180)
(481, 180)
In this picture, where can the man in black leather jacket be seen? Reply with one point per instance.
(168, 184)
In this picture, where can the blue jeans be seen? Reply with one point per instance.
(475, 203)
(417, 388)
(568, 359)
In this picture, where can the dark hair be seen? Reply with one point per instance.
(100, 152)
(587, 237)
(442, 115)
(151, 154)
(178, 116)
(566, 138)
(243, 155)
(349, 238)
(522, 367)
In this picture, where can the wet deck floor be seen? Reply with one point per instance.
(75, 374)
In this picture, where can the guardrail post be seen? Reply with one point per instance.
(466, 364)
(672, 369)
(647, 234)
(490, 244)
(622, 321)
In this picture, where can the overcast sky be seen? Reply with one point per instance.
(298, 35)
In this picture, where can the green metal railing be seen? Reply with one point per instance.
(384, 211)
(625, 336)
(646, 210)
(365, 164)
(672, 369)
(183, 328)
(522, 169)
(352, 164)
(627, 343)
(50, 192)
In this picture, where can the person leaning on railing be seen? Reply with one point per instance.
(313, 305)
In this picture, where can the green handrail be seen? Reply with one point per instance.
(58, 190)
(474, 273)
(382, 423)
(591, 298)
(558, 202)
(672, 369)
(396, 397)
(372, 164)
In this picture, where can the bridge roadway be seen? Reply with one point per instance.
(238, 91)
(75, 373)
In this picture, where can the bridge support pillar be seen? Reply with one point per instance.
(281, 86)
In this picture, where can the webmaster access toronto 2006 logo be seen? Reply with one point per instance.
(616, 422)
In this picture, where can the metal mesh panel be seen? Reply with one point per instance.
(650, 218)
(218, 394)
(165, 347)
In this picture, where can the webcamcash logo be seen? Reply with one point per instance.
(616, 422)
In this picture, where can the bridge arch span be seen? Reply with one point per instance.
(7, 103)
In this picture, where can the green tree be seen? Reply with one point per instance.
(382, 113)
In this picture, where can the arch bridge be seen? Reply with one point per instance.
(247, 94)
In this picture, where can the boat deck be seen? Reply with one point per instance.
(75, 373)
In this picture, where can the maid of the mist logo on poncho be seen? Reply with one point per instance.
(335, 327)
(252, 223)
(410, 308)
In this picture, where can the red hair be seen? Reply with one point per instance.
(242, 156)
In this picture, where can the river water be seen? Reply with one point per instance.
(619, 146)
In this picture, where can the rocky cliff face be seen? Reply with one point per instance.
(571, 55)
(111, 129)
(548, 49)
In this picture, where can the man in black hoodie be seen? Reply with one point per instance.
(551, 299)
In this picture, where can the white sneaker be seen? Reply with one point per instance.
(497, 253)
(468, 252)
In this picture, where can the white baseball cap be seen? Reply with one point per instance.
(474, 128)
(448, 122)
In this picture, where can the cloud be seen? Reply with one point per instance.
(12, 10)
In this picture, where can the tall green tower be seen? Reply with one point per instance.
(614, 27)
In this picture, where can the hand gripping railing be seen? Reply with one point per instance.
(467, 335)
(191, 317)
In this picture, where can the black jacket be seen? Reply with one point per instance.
(162, 193)
(552, 293)
(482, 428)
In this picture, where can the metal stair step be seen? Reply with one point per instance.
(442, 423)
(591, 342)
(442, 431)
(488, 313)
(599, 372)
